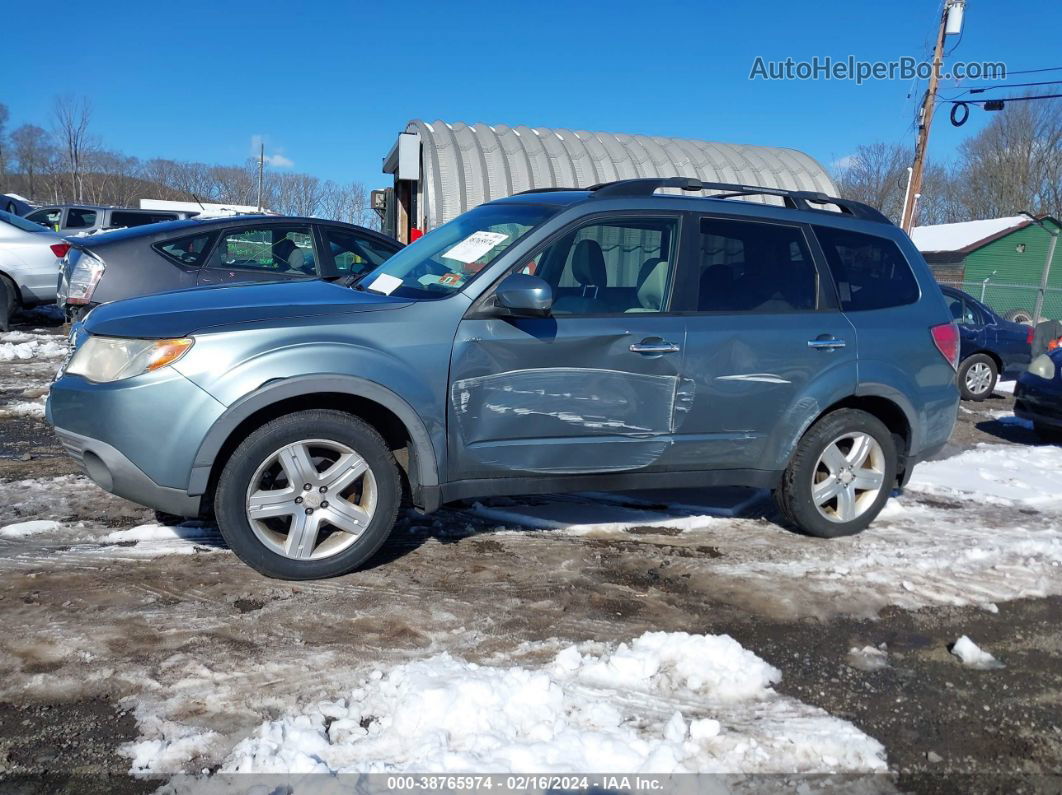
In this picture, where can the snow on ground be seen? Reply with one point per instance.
(23, 529)
(667, 702)
(972, 656)
(1000, 474)
(981, 527)
(22, 346)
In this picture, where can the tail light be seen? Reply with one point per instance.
(59, 249)
(946, 338)
(1030, 332)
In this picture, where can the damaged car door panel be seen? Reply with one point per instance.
(606, 338)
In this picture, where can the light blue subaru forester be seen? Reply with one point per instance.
(607, 338)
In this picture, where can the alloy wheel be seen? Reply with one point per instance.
(311, 499)
(978, 378)
(848, 477)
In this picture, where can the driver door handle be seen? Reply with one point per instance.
(663, 346)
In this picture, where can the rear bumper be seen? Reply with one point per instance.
(113, 472)
(1036, 405)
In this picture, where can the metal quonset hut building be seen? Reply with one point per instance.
(442, 169)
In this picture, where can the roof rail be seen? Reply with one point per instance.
(794, 199)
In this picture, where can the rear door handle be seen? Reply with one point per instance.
(825, 343)
(654, 347)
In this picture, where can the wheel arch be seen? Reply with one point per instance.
(995, 357)
(898, 419)
(392, 417)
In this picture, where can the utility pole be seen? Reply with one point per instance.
(261, 168)
(950, 23)
(1045, 274)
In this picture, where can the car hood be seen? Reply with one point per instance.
(183, 312)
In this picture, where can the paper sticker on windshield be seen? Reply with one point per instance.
(475, 246)
(385, 283)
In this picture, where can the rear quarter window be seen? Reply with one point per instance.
(870, 271)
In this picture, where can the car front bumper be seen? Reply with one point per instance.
(1041, 406)
(136, 438)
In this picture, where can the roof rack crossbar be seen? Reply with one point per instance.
(793, 199)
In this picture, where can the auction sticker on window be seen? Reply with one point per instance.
(385, 283)
(475, 246)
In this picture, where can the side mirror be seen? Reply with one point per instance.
(521, 295)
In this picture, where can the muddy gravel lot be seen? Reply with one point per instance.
(114, 637)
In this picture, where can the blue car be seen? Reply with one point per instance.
(1038, 396)
(989, 346)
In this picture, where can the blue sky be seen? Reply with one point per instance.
(328, 85)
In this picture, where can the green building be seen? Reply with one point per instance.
(999, 260)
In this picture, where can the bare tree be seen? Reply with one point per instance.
(72, 116)
(33, 150)
(1015, 163)
(876, 175)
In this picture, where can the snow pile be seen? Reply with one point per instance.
(869, 658)
(20, 346)
(166, 745)
(1000, 474)
(668, 702)
(972, 656)
(155, 540)
(24, 408)
(23, 529)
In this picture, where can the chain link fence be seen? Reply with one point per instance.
(1014, 301)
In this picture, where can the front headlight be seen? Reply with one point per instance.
(86, 275)
(1043, 367)
(103, 359)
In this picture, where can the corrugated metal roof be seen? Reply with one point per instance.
(465, 165)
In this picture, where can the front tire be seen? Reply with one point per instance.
(8, 303)
(977, 377)
(309, 495)
(840, 475)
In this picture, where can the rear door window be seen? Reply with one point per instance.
(870, 272)
(286, 249)
(750, 266)
(80, 218)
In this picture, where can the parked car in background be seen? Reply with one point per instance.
(1038, 395)
(609, 338)
(15, 204)
(247, 248)
(990, 347)
(80, 219)
(29, 263)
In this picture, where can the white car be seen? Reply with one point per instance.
(29, 265)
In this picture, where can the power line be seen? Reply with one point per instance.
(981, 89)
(1000, 99)
(1035, 71)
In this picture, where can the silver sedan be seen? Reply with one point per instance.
(29, 265)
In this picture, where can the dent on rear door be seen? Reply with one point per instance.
(510, 414)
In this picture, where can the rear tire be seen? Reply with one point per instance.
(977, 377)
(292, 536)
(8, 303)
(849, 454)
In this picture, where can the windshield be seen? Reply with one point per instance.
(446, 259)
(20, 223)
